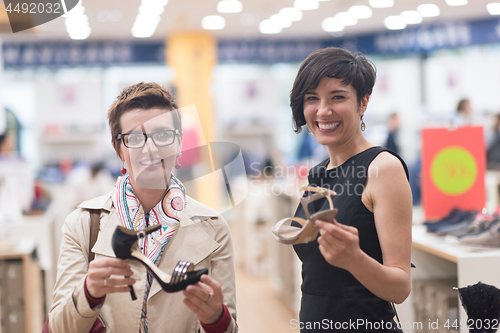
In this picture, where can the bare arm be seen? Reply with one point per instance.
(388, 196)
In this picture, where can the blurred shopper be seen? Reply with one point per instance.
(493, 152)
(361, 260)
(84, 183)
(392, 137)
(463, 117)
(147, 136)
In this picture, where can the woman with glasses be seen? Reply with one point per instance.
(147, 136)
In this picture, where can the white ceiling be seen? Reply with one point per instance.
(186, 15)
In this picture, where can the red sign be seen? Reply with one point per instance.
(453, 170)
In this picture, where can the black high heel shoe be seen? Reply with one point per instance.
(124, 244)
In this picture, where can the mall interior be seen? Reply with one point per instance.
(231, 65)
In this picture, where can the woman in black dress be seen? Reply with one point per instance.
(360, 263)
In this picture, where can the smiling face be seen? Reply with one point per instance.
(149, 167)
(332, 112)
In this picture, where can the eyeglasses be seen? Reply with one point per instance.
(138, 140)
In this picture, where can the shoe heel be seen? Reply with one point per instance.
(124, 240)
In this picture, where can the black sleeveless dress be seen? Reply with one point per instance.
(332, 299)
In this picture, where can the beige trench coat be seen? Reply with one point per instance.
(203, 239)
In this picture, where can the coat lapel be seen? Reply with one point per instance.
(190, 242)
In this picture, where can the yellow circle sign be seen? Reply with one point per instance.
(453, 170)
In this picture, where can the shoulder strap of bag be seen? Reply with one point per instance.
(95, 218)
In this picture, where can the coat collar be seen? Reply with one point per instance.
(191, 241)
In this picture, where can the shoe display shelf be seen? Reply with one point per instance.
(443, 259)
(21, 299)
(37, 230)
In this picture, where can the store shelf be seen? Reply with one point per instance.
(21, 303)
(438, 257)
(447, 248)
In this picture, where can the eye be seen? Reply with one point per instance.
(311, 98)
(134, 138)
(163, 136)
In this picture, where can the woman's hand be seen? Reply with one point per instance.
(99, 282)
(339, 244)
(205, 300)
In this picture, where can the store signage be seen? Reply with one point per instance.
(81, 54)
(453, 170)
(411, 40)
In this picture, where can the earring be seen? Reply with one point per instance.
(177, 164)
(363, 126)
(123, 170)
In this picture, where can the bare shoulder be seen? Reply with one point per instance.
(386, 165)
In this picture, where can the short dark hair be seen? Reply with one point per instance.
(352, 68)
(461, 105)
(141, 96)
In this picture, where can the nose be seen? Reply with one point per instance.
(324, 108)
(149, 146)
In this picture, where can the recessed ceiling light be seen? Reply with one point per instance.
(115, 15)
(331, 24)
(293, 14)
(428, 10)
(102, 16)
(147, 20)
(394, 22)
(381, 3)
(361, 12)
(306, 4)
(229, 6)
(281, 20)
(213, 22)
(77, 23)
(247, 20)
(493, 8)
(269, 27)
(411, 17)
(346, 18)
(456, 2)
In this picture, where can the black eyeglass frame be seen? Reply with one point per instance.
(121, 136)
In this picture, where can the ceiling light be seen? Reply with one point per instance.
(456, 2)
(115, 15)
(292, 14)
(361, 12)
(394, 22)
(493, 8)
(102, 16)
(428, 10)
(331, 24)
(77, 23)
(346, 18)
(269, 27)
(157, 3)
(213, 22)
(143, 31)
(306, 4)
(247, 20)
(381, 3)
(281, 21)
(150, 9)
(411, 17)
(229, 6)
(147, 19)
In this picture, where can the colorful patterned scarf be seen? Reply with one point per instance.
(167, 213)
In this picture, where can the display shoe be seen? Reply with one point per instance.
(124, 244)
(488, 238)
(480, 224)
(286, 233)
